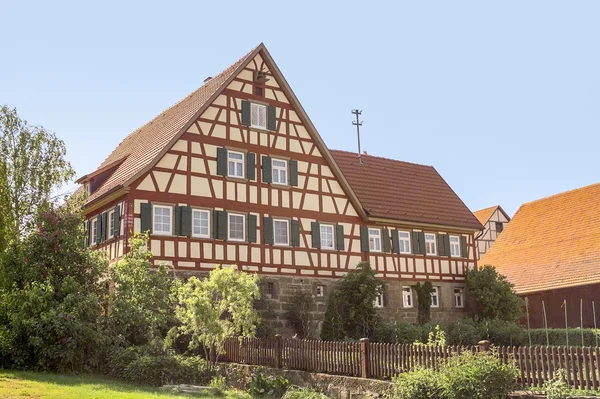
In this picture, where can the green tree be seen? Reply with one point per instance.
(493, 296)
(142, 301)
(217, 308)
(424, 292)
(32, 165)
(350, 312)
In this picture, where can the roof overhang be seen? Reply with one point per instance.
(101, 170)
(392, 222)
(106, 198)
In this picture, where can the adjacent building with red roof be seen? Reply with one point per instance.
(236, 173)
(494, 220)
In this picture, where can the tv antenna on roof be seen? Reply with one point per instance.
(358, 124)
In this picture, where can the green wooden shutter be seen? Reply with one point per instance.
(364, 238)
(441, 243)
(268, 230)
(251, 166)
(415, 243)
(267, 169)
(186, 221)
(222, 225)
(252, 228)
(422, 243)
(295, 226)
(447, 244)
(339, 237)
(146, 216)
(222, 161)
(177, 221)
(293, 170)
(98, 229)
(315, 232)
(385, 237)
(271, 118)
(88, 228)
(464, 250)
(246, 113)
(104, 226)
(215, 224)
(395, 242)
(116, 221)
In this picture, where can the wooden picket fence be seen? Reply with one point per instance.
(378, 360)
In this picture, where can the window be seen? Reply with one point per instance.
(270, 288)
(237, 228)
(258, 90)
(200, 223)
(378, 302)
(430, 244)
(407, 297)
(162, 219)
(459, 300)
(258, 116)
(435, 297)
(281, 232)
(235, 162)
(327, 241)
(279, 170)
(320, 291)
(404, 242)
(454, 246)
(111, 224)
(499, 227)
(94, 235)
(375, 240)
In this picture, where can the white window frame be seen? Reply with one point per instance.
(255, 107)
(287, 231)
(376, 240)
(407, 298)
(327, 226)
(454, 247)
(432, 242)
(320, 291)
(275, 171)
(435, 294)
(162, 232)
(201, 211)
(110, 220)
(236, 161)
(229, 238)
(459, 293)
(378, 302)
(93, 236)
(406, 240)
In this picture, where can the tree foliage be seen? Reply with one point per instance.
(494, 296)
(217, 308)
(32, 165)
(424, 291)
(350, 312)
(142, 300)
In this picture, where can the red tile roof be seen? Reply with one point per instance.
(405, 191)
(143, 145)
(483, 215)
(551, 243)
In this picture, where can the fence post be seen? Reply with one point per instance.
(365, 369)
(278, 350)
(484, 345)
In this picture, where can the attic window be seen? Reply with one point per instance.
(260, 78)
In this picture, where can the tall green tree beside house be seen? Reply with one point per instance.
(493, 295)
(32, 166)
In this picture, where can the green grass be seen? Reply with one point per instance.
(30, 385)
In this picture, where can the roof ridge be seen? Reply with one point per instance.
(385, 158)
(561, 194)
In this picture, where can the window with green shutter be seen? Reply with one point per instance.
(186, 221)
(339, 237)
(293, 169)
(222, 228)
(385, 236)
(364, 238)
(104, 234)
(267, 173)
(395, 242)
(116, 218)
(252, 228)
(222, 161)
(178, 221)
(464, 249)
(271, 118)
(251, 166)
(88, 229)
(146, 217)
(98, 229)
(246, 113)
(441, 243)
(295, 233)
(268, 230)
(315, 232)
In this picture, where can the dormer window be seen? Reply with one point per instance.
(88, 188)
(258, 116)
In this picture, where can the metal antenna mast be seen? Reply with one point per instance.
(358, 124)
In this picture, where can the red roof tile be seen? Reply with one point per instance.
(551, 243)
(483, 215)
(405, 191)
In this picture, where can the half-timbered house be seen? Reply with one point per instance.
(494, 220)
(236, 173)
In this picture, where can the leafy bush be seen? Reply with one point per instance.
(477, 376)
(418, 384)
(557, 387)
(303, 393)
(263, 386)
(557, 336)
(462, 332)
(424, 291)
(502, 333)
(397, 332)
(494, 296)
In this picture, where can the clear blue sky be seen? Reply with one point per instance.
(503, 98)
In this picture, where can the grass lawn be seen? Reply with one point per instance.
(29, 385)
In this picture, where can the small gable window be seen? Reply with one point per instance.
(430, 244)
(162, 219)
(499, 227)
(279, 170)
(235, 164)
(258, 116)
(454, 246)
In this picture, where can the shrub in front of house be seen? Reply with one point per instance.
(422, 383)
